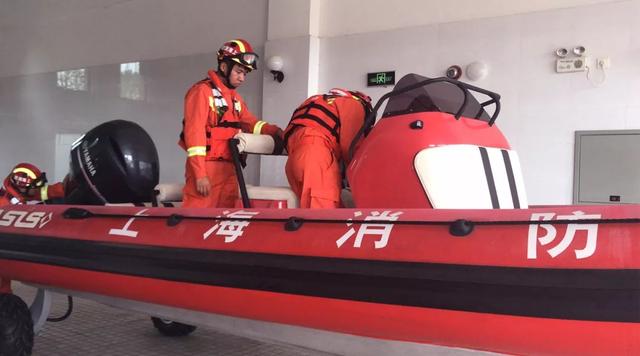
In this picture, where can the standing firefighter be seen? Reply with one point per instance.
(318, 139)
(214, 113)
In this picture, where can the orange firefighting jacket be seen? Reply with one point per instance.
(9, 196)
(339, 117)
(213, 114)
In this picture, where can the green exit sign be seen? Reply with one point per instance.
(381, 78)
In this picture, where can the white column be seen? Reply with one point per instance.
(295, 40)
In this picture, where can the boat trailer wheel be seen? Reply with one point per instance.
(16, 326)
(172, 328)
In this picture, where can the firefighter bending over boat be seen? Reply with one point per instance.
(26, 184)
(318, 138)
(214, 113)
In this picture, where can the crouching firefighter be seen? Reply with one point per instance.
(214, 113)
(318, 138)
(27, 184)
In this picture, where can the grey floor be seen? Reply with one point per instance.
(97, 329)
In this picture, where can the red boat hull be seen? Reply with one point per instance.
(480, 291)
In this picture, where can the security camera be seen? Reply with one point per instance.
(454, 72)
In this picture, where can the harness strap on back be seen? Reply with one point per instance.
(303, 113)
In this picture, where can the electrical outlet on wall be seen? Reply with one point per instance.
(568, 65)
(603, 63)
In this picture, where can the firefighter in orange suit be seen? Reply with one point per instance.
(317, 138)
(214, 113)
(27, 184)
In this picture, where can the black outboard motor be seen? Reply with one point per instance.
(115, 162)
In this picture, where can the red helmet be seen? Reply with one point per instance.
(25, 176)
(358, 95)
(363, 98)
(240, 52)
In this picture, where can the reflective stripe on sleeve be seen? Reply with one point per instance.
(258, 127)
(197, 151)
(44, 193)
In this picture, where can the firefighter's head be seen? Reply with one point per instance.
(25, 178)
(236, 58)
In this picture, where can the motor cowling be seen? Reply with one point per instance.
(115, 162)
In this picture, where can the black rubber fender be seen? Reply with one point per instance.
(16, 326)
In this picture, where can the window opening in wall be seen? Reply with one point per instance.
(131, 81)
(64, 144)
(74, 79)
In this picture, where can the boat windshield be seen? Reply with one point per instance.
(438, 96)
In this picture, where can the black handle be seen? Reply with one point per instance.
(235, 155)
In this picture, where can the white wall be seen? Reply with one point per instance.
(293, 18)
(47, 35)
(293, 38)
(283, 98)
(541, 109)
(39, 37)
(340, 17)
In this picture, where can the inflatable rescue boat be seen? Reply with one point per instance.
(436, 244)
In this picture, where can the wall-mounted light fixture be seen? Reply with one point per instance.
(562, 52)
(275, 64)
(571, 60)
(477, 71)
(579, 51)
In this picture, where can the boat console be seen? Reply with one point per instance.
(435, 146)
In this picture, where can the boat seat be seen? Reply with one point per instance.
(471, 177)
(170, 194)
(273, 193)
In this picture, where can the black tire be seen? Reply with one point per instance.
(172, 328)
(16, 327)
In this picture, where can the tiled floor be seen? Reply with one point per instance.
(96, 329)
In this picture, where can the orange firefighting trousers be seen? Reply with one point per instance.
(313, 169)
(224, 187)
